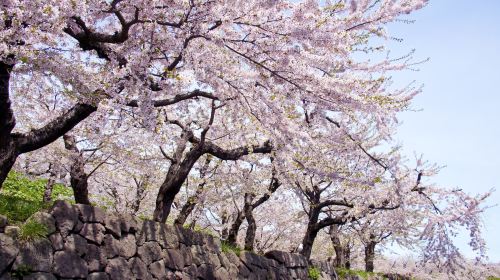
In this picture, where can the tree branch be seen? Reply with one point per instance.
(235, 154)
(56, 128)
(177, 98)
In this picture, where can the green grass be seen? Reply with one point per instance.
(313, 273)
(20, 196)
(344, 273)
(226, 247)
(18, 210)
(199, 229)
(493, 278)
(32, 230)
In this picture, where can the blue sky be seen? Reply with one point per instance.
(459, 125)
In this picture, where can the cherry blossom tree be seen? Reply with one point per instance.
(268, 57)
(162, 93)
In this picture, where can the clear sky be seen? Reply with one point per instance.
(459, 125)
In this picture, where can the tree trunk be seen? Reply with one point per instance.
(14, 144)
(176, 176)
(308, 241)
(139, 195)
(341, 257)
(189, 206)
(224, 222)
(47, 194)
(342, 251)
(194, 199)
(232, 236)
(347, 257)
(311, 232)
(80, 189)
(370, 255)
(8, 148)
(252, 226)
(78, 177)
(8, 156)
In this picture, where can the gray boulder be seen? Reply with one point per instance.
(12, 231)
(90, 214)
(118, 269)
(76, 243)
(8, 251)
(66, 216)
(68, 264)
(139, 269)
(93, 232)
(45, 219)
(173, 259)
(149, 252)
(95, 258)
(157, 269)
(113, 225)
(36, 255)
(57, 241)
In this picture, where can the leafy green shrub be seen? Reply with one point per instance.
(20, 197)
(226, 247)
(20, 186)
(17, 209)
(314, 273)
(32, 230)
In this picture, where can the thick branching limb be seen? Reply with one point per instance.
(178, 98)
(236, 153)
(41, 137)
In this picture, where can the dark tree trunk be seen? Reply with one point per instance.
(252, 226)
(194, 199)
(308, 241)
(341, 257)
(249, 206)
(224, 222)
(8, 156)
(176, 176)
(181, 166)
(189, 206)
(78, 177)
(370, 255)
(80, 189)
(347, 257)
(235, 228)
(139, 195)
(47, 194)
(8, 149)
(311, 232)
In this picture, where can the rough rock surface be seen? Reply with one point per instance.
(118, 269)
(36, 255)
(3, 223)
(68, 264)
(8, 251)
(87, 243)
(45, 219)
(93, 232)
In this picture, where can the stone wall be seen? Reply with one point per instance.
(85, 242)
